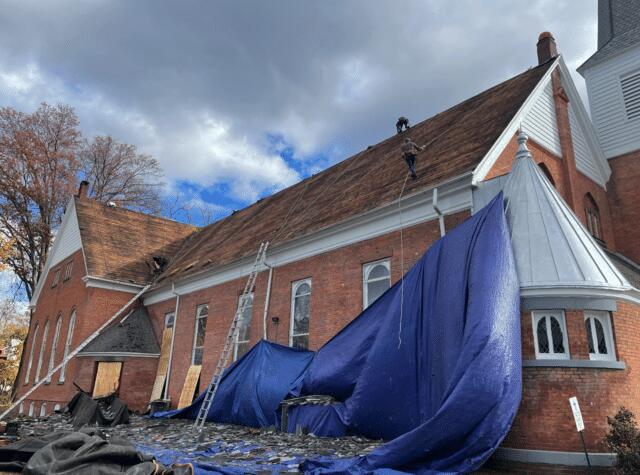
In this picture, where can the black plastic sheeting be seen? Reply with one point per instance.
(85, 452)
(107, 411)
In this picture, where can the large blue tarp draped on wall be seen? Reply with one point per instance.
(441, 379)
(253, 387)
(433, 366)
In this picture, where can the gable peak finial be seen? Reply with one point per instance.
(523, 151)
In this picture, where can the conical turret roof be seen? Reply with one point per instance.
(553, 250)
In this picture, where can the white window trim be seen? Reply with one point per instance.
(56, 407)
(294, 288)
(366, 270)
(43, 347)
(68, 269)
(195, 332)
(67, 346)
(605, 320)
(21, 408)
(31, 351)
(43, 409)
(238, 341)
(32, 408)
(536, 316)
(54, 347)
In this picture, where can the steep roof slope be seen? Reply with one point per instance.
(119, 244)
(456, 140)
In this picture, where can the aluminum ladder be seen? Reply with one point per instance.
(231, 339)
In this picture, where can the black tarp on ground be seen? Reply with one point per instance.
(84, 452)
(106, 411)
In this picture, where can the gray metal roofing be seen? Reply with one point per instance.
(618, 29)
(134, 335)
(552, 248)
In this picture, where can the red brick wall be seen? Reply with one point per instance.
(336, 297)
(93, 306)
(625, 202)
(545, 421)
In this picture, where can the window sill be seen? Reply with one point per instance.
(595, 364)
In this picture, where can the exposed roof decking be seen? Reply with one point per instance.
(374, 177)
(118, 243)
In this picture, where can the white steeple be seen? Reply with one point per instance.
(555, 254)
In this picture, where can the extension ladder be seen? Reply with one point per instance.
(231, 339)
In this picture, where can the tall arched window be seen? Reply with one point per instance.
(54, 346)
(33, 346)
(592, 214)
(599, 335)
(67, 346)
(547, 173)
(550, 334)
(244, 327)
(43, 346)
(300, 313)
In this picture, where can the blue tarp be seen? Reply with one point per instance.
(253, 387)
(434, 368)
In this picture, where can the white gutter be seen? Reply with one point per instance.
(438, 211)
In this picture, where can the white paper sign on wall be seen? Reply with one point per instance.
(577, 415)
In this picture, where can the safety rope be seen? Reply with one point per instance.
(401, 260)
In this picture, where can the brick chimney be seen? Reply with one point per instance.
(83, 189)
(546, 47)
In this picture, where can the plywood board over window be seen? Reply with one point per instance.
(107, 378)
(163, 364)
(189, 388)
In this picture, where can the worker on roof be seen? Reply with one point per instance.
(409, 150)
(402, 122)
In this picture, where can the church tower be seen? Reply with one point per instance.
(612, 75)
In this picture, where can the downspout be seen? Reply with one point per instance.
(266, 302)
(438, 212)
(173, 338)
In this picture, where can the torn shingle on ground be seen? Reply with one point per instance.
(248, 449)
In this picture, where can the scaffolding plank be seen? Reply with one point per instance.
(189, 388)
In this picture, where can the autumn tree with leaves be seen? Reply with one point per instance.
(42, 159)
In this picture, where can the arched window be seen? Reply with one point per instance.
(21, 408)
(43, 409)
(599, 335)
(56, 407)
(54, 346)
(67, 345)
(547, 173)
(32, 408)
(376, 278)
(592, 214)
(300, 313)
(200, 330)
(244, 327)
(43, 347)
(33, 346)
(550, 334)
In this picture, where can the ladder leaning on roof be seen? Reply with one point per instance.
(231, 338)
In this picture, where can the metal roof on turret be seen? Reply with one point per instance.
(553, 250)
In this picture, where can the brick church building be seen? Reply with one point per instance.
(335, 247)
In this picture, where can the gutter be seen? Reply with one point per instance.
(266, 301)
(436, 208)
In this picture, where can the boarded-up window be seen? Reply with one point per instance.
(107, 378)
(189, 388)
(163, 365)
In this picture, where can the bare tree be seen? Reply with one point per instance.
(38, 169)
(117, 173)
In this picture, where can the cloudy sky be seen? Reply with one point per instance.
(237, 99)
